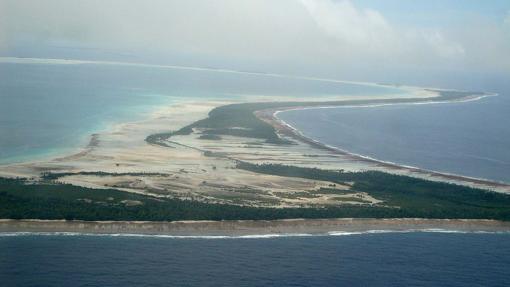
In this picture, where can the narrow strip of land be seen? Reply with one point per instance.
(235, 161)
(270, 116)
(250, 227)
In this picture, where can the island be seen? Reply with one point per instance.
(234, 168)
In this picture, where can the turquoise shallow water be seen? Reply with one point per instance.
(45, 108)
(49, 108)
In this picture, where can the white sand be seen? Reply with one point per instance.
(188, 174)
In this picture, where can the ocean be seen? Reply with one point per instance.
(50, 109)
(466, 138)
(380, 259)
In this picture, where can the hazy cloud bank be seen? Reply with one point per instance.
(321, 36)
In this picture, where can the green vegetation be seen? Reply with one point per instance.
(403, 197)
(240, 120)
(323, 190)
(412, 196)
(351, 199)
(23, 200)
(234, 120)
(155, 138)
(209, 137)
(56, 175)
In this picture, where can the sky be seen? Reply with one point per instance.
(390, 40)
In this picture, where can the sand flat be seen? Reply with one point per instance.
(189, 173)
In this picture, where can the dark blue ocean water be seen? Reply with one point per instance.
(470, 138)
(391, 259)
(46, 108)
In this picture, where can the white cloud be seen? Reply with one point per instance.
(369, 30)
(314, 35)
(506, 25)
(345, 22)
(442, 46)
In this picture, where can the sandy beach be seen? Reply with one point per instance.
(253, 228)
(271, 117)
(183, 170)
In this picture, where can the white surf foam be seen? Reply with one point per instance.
(253, 236)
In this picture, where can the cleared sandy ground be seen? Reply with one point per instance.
(181, 170)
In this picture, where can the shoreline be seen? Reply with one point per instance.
(31, 167)
(271, 116)
(189, 172)
(56, 61)
(88, 139)
(253, 228)
(92, 140)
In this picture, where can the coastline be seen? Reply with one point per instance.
(54, 61)
(253, 228)
(189, 167)
(87, 138)
(271, 116)
(116, 137)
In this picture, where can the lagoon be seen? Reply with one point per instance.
(49, 109)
